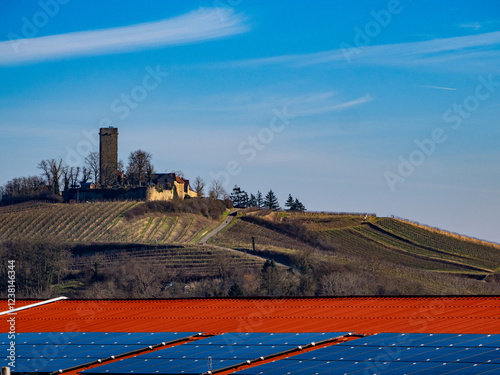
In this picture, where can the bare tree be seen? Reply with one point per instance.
(217, 190)
(65, 173)
(327, 284)
(179, 173)
(85, 175)
(92, 163)
(44, 166)
(52, 170)
(199, 186)
(121, 166)
(24, 187)
(73, 175)
(121, 172)
(150, 172)
(138, 163)
(70, 176)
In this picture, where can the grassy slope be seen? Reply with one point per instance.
(382, 238)
(417, 257)
(402, 242)
(381, 246)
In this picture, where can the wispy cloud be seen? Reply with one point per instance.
(196, 26)
(479, 25)
(326, 107)
(471, 25)
(437, 87)
(481, 50)
(251, 105)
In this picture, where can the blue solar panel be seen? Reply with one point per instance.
(418, 339)
(365, 368)
(96, 338)
(223, 350)
(292, 339)
(439, 369)
(477, 340)
(51, 351)
(392, 353)
(158, 366)
(30, 365)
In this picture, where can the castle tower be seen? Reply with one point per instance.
(108, 155)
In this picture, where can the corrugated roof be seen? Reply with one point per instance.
(364, 315)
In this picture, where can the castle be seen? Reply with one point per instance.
(162, 186)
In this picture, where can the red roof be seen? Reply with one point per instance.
(364, 315)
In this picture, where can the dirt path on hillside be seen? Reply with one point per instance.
(224, 224)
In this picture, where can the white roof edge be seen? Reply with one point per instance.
(11, 311)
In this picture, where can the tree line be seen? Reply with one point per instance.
(241, 199)
(55, 177)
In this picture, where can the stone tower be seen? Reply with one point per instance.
(108, 155)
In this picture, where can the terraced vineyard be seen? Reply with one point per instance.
(192, 260)
(352, 254)
(373, 240)
(99, 222)
(239, 236)
(473, 251)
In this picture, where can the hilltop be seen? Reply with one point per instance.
(306, 253)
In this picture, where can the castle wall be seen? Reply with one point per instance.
(154, 195)
(104, 194)
(167, 194)
(191, 193)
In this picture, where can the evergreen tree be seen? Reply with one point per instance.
(236, 196)
(239, 197)
(271, 201)
(252, 201)
(259, 200)
(290, 203)
(294, 204)
(244, 200)
(298, 206)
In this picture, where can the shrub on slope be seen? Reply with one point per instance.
(211, 208)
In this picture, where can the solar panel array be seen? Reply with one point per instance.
(391, 353)
(213, 354)
(53, 351)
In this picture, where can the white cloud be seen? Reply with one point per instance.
(331, 106)
(437, 87)
(193, 27)
(472, 25)
(476, 50)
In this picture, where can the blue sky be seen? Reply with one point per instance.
(390, 107)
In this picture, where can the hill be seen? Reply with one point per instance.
(312, 253)
(100, 222)
(385, 255)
